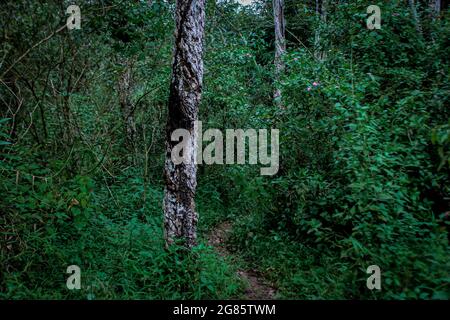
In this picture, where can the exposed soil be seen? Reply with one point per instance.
(258, 287)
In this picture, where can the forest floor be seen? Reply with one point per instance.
(258, 288)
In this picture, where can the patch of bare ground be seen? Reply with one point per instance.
(258, 288)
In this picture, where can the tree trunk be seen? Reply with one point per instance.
(415, 16)
(435, 6)
(280, 46)
(180, 217)
(319, 52)
(126, 107)
(435, 10)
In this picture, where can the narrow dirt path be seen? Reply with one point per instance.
(258, 287)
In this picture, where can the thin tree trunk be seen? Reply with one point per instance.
(69, 122)
(317, 33)
(280, 46)
(321, 7)
(415, 16)
(126, 107)
(435, 8)
(180, 217)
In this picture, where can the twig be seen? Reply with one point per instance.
(34, 46)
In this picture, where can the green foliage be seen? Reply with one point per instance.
(363, 167)
(116, 241)
(364, 163)
(441, 138)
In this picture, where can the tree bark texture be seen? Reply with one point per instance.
(435, 8)
(415, 16)
(280, 45)
(180, 217)
(321, 13)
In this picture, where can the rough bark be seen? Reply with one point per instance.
(280, 45)
(126, 107)
(415, 16)
(180, 217)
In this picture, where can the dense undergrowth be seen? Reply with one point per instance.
(117, 243)
(364, 164)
